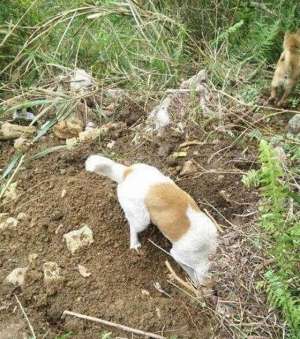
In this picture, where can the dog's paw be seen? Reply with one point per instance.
(282, 104)
(271, 100)
(135, 247)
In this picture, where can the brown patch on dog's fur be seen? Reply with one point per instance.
(287, 72)
(127, 172)
(167, 205)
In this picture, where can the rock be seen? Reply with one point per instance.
(22, 216)
(9, 223)
(56, 216)
(10, 131)
(189, 167)
(111, 144)
(160, 115)
(23, 117)
(72, 143)
(81, 80)
(79, 238)
(17, 276)
(90, 125)
(294, 124)
(198, 83)
(68, 128)
(3, 217)
(22, 144)
(11, 193)
(32, 257)
(83, 271)
(145, 293)
(51, 272)
(112, 126)
(89, 134)
(165, 149)
(195, 81)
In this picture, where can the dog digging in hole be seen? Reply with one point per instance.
(287, 72)
(146, 195)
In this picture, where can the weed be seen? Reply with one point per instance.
(282, 280)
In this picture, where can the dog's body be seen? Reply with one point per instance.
(287, 72)
(146, 195)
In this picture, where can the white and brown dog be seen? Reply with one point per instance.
(146, 195)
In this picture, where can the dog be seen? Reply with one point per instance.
(287, 72)
(146, 195)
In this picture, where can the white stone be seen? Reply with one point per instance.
(22, 216)
(89, 134)
(160, 114)
(83, 271)
(79, 238)
(51, 272)
(188, 167)
(294, 124)
(9, 223)
(17, 276)
(80, 80)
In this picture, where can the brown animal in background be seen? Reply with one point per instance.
(287, 71)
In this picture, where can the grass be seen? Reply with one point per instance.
(148, 47)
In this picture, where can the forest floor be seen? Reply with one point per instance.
(56, 195)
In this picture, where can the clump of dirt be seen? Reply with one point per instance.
(58, 196)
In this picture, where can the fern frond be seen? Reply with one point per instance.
(279, 295)
(251, 179)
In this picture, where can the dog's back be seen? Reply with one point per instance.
(146, 195)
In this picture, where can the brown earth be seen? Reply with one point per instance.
(121, 285)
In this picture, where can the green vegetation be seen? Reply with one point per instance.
(148, 46)
(283, 226)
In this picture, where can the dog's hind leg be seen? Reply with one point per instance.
(287, 90)
(273, 97)
(138, 220)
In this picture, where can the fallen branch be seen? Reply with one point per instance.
(153, 243)
(26, 318)
(270, 108)
(213, 220)
(109, 323)
(181, 282)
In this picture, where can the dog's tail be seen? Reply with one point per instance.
(107, 167)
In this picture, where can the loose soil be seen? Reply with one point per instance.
(121, 287)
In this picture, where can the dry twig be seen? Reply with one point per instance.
(181, 282)
(26, 318)
(109, 323)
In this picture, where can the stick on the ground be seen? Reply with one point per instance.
(26, 318)
(109, 323)
(214, 220)
(153, 243)
(181, 282)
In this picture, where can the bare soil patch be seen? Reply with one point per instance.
(120, 287)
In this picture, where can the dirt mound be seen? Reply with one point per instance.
(58, 196)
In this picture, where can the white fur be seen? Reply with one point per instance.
(191, 251)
